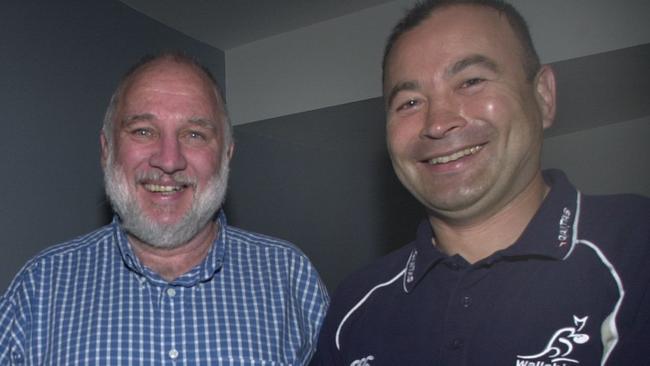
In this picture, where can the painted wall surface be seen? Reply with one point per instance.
(60, 61)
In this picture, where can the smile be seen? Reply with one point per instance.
(455, 156)
(155, 188)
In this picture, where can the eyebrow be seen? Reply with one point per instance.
(472, 60)
(202, 122)
(399, 87)
(136, 118)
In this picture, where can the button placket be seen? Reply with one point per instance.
(466, 301)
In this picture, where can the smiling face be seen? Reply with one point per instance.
(166, 171)
(464, 123)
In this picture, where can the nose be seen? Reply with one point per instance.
(168, 156)
(442, 118)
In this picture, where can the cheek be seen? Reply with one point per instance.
(402, 135)
(204, 164)
(489, 108)
(129, 157)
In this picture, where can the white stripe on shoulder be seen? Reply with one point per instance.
(608, 330)
(345, 318)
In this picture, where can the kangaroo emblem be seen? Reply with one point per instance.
(561, 344)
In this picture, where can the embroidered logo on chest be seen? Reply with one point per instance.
(363, 362)
(559, 348)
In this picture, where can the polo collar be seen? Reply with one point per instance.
(423, 256)
(201, 273)
(549, 234)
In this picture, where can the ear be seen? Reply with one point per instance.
(230, 151)
(104, 146)
(545, 94)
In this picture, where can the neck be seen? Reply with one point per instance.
(477, 239)
(173, 263)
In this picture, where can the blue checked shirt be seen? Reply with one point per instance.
(254, 300)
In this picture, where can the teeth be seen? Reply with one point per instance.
(161, 189)
(455, 156)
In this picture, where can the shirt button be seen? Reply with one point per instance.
(454, 266)
(17, 356)
(456, 343)
(173, 354)
(171, 292)
(466, 301)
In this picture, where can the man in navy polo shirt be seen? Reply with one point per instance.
(513, 266)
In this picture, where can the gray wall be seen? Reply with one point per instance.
(60, 61)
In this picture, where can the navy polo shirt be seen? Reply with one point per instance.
(573, 289)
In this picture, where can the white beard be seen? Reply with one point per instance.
(164, 236)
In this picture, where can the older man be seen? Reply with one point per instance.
(168, 281)
(513, 266)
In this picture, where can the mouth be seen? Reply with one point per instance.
(164, 189)
(455, 156)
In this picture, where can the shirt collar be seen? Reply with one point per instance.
(423, 256)
(201, 273)
(549, 234)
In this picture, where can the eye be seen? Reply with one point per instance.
(411, 103)
(142, 132)
(195, 135)
(472, 82)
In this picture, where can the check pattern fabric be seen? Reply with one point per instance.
(254, 300)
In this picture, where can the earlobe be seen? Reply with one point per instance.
(545, 92)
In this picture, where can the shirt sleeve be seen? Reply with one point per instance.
(13, 324)
(327, 351)
(313, 299)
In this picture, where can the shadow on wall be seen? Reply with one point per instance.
(322, 180)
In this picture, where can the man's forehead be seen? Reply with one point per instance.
(161, 72)
(462, 29)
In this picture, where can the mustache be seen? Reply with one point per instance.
(180, 178)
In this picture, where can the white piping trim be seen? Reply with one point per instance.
(345, 318)
(608, 330)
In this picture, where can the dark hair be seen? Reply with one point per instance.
(175, 56)
(423, 9)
